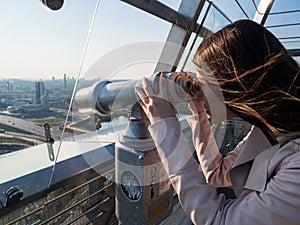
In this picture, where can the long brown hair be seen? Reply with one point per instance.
(258, 78)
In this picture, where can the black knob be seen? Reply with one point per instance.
(13, 195)
(53, 4)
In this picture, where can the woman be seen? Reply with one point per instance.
(248, 70)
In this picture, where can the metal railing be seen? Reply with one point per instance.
(87, 198)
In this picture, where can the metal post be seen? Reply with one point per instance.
(143, 195)
(178, 37)
(262, 11)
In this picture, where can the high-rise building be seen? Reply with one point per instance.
(41, 95)
(65, 81)
(39, 91)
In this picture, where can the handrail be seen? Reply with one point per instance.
(63, 195)
(69, 208)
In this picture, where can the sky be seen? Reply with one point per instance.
(37, 43)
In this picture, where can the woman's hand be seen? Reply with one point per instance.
(197, 104)
(155, 106)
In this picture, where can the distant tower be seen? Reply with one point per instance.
(39, 91)
(65, 81)
(41, 95)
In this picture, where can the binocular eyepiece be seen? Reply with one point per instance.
(107, 96)
(185, 80)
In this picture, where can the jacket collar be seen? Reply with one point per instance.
(261, 171)
(285, 138)
(258, 175)
(254, 144)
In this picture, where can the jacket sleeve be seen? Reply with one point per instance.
(279, 203)
(215, 168)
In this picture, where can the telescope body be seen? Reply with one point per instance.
(105, 97)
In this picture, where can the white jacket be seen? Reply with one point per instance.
(266, 178)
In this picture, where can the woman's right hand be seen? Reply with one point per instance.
(197, 104)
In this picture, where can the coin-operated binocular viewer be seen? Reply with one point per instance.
(143, 192)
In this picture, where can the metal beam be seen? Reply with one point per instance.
(283, 25)
(178, 37)
(262, 11)
(164, 12)
(294, 52)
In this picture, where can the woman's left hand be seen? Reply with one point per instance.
(155, 106)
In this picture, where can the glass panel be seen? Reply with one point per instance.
(126, 48)
(283, 14)
(40, 54)
(232, 8)
(43, 57)
(213, 21)
(120, 48)
(40, 51)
